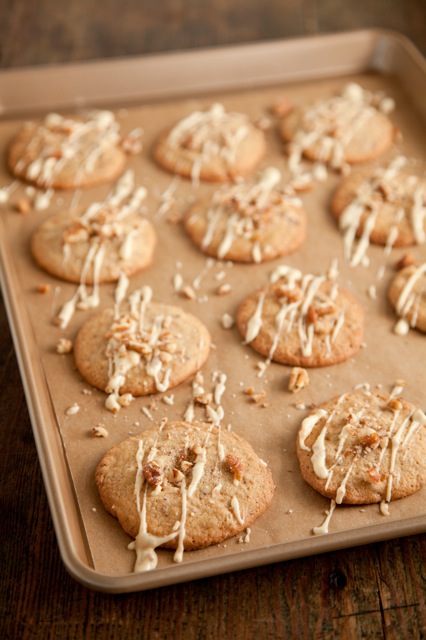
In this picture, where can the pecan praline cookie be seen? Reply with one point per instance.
(362, 448)
(224, 494)
(302, 320)
(144, 349)
(250, 222)
(212, 145)
(68, 152)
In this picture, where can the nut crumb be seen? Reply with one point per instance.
(256, 397)
(73, 409)
(99, 431)
(282, 108)
(299, 379)
(188, 292)
(43, 288)
(227, 321)
(23, 205)
(223, 289)
(64, 345)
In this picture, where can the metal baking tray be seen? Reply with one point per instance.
(153, 91)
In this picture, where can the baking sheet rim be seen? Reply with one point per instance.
(67, 524)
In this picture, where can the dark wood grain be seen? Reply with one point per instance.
(376, 591)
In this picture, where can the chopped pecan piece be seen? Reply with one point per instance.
(311, 315)
(23, 205)
(178, 476)
(291, 295)
(203, 399)
(235, 465)
(374, 475)
(369, 440)
(153, 473)
(299, 379)
(395, 404)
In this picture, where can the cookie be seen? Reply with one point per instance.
(68, 152)
(383, 205)
(345, 129)
(363, 448)
(248, 222)
(212, 145)
(139, 349)
(183, 485)
(99, 243)
(407, 295)
(302, 320)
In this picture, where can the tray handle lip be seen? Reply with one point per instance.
(157, 67)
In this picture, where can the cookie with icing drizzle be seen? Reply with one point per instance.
(140, 348)
(363, 448)
(212, 145)
(382, 205)
(68, 152)
(302, 320)
(98, 243)
(248, 222)
(407, 295)
(183, 485)
(348, 128)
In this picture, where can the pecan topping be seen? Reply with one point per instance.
(311, 315)
(374, 475)
(369, 440)
(395, 404)
(235, 465)
(153, 473)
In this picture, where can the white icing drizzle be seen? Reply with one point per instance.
(145, 543)
(197, 471)
(235, 505)
(255, 323)
(408, 301)
(307, 426)
(178, 555)
(323, 529)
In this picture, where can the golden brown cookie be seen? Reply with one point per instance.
(183, 485)
(99, 243)
(68, 152)
(248, 222)
(407, 295)
(142, 348)
(302, 320)
(384, 205)
(362, 448)
(212, 145)
(346, 129)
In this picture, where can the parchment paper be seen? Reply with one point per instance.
(386, 357)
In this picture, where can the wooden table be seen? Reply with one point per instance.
(377, 591)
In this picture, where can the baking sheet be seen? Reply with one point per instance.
(93, 546)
